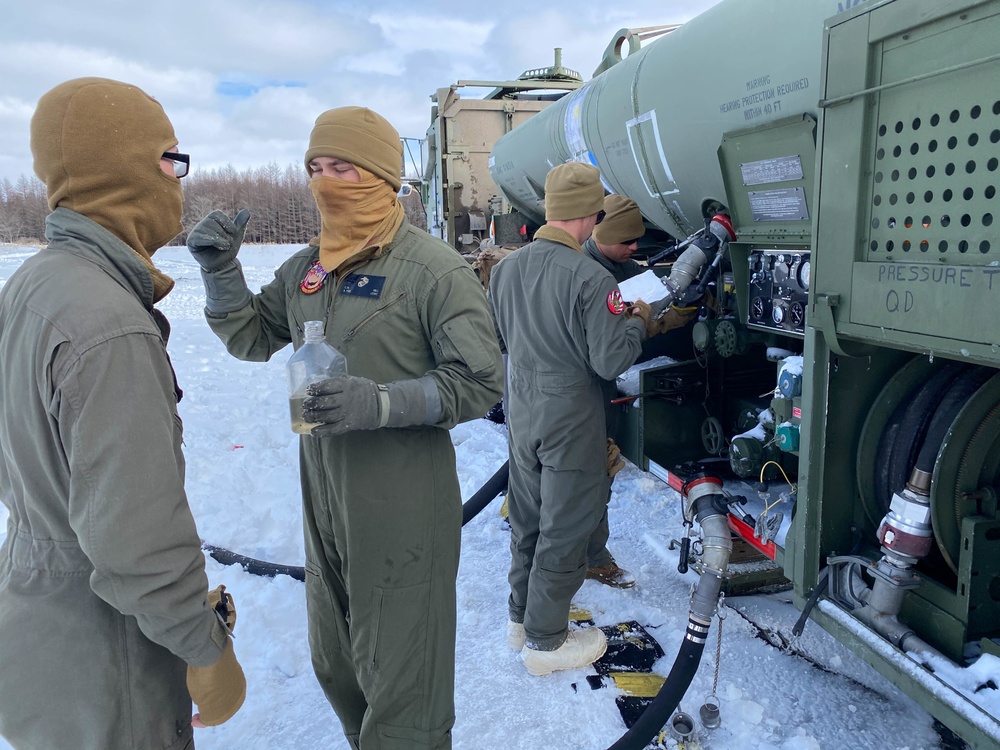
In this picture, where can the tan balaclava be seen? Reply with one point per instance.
(622, 221)
(356, 215)
(573, 191)
(97, 145)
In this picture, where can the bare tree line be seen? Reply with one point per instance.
(282, 205)
(23, 208)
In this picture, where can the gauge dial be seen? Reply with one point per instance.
(797, 314)
(804, 274)
(757, 308)
(778, 314)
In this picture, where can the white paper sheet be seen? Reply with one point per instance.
(646, 286)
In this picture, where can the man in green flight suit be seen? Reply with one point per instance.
(107, 628)
(381, 501)
(564, 326)
(612, 244)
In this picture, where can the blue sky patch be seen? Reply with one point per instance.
(244, 89)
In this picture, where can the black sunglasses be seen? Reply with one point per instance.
(182, 162)
(600, 216)
(632, 242)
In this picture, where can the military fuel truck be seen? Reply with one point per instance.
(462, 199)
(844, 388)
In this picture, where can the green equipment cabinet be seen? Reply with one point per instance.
(900, 429)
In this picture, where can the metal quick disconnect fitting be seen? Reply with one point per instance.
(905, 533)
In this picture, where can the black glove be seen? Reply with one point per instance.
(216, 239)
(214, 242)
(344, 404)
(349, 403)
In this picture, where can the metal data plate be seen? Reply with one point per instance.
(787, 204)
(767, 171)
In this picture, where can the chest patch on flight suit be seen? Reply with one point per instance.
(362, 285)
(615, 303)
(313, 279)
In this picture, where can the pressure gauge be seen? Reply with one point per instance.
(778, 314)
(804, 274)
(798, 314)
(757, 308)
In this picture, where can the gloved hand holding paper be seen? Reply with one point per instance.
(646, 286)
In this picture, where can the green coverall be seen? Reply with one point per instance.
(557, 316)
(382, 508)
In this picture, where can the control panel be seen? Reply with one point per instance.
(779, 290)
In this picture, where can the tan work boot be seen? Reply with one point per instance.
(580, 649)
(612, 575)
(515, 635)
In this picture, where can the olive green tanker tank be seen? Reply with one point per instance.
(653, 122)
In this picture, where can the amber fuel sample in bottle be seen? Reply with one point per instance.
(314, 361)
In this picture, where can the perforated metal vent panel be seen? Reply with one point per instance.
(935, 174)
(909, 250)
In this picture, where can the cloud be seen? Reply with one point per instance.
(433, 32)
(244, 80)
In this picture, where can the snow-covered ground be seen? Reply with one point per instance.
(243, 487)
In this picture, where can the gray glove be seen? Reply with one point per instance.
(348, 403)
(214, 243)
(216, 239)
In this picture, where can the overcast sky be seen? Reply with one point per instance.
(243, 80)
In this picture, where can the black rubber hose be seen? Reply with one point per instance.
(494, 486)
(470, 509)
(949, 406)
(254, 566)
(658, 713)
(904, 432)
(817, 592)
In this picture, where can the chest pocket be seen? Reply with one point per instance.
(384, 312)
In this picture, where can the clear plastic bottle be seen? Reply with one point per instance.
(315, 360)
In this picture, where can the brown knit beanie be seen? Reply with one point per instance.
(97, 145)
(360, 136)
(622, 221)
(572, 191)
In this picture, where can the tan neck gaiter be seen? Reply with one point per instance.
(557, 234)
(146, 222)
(355, 216)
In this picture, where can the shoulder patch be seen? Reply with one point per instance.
(615, 303)
(313, 279)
